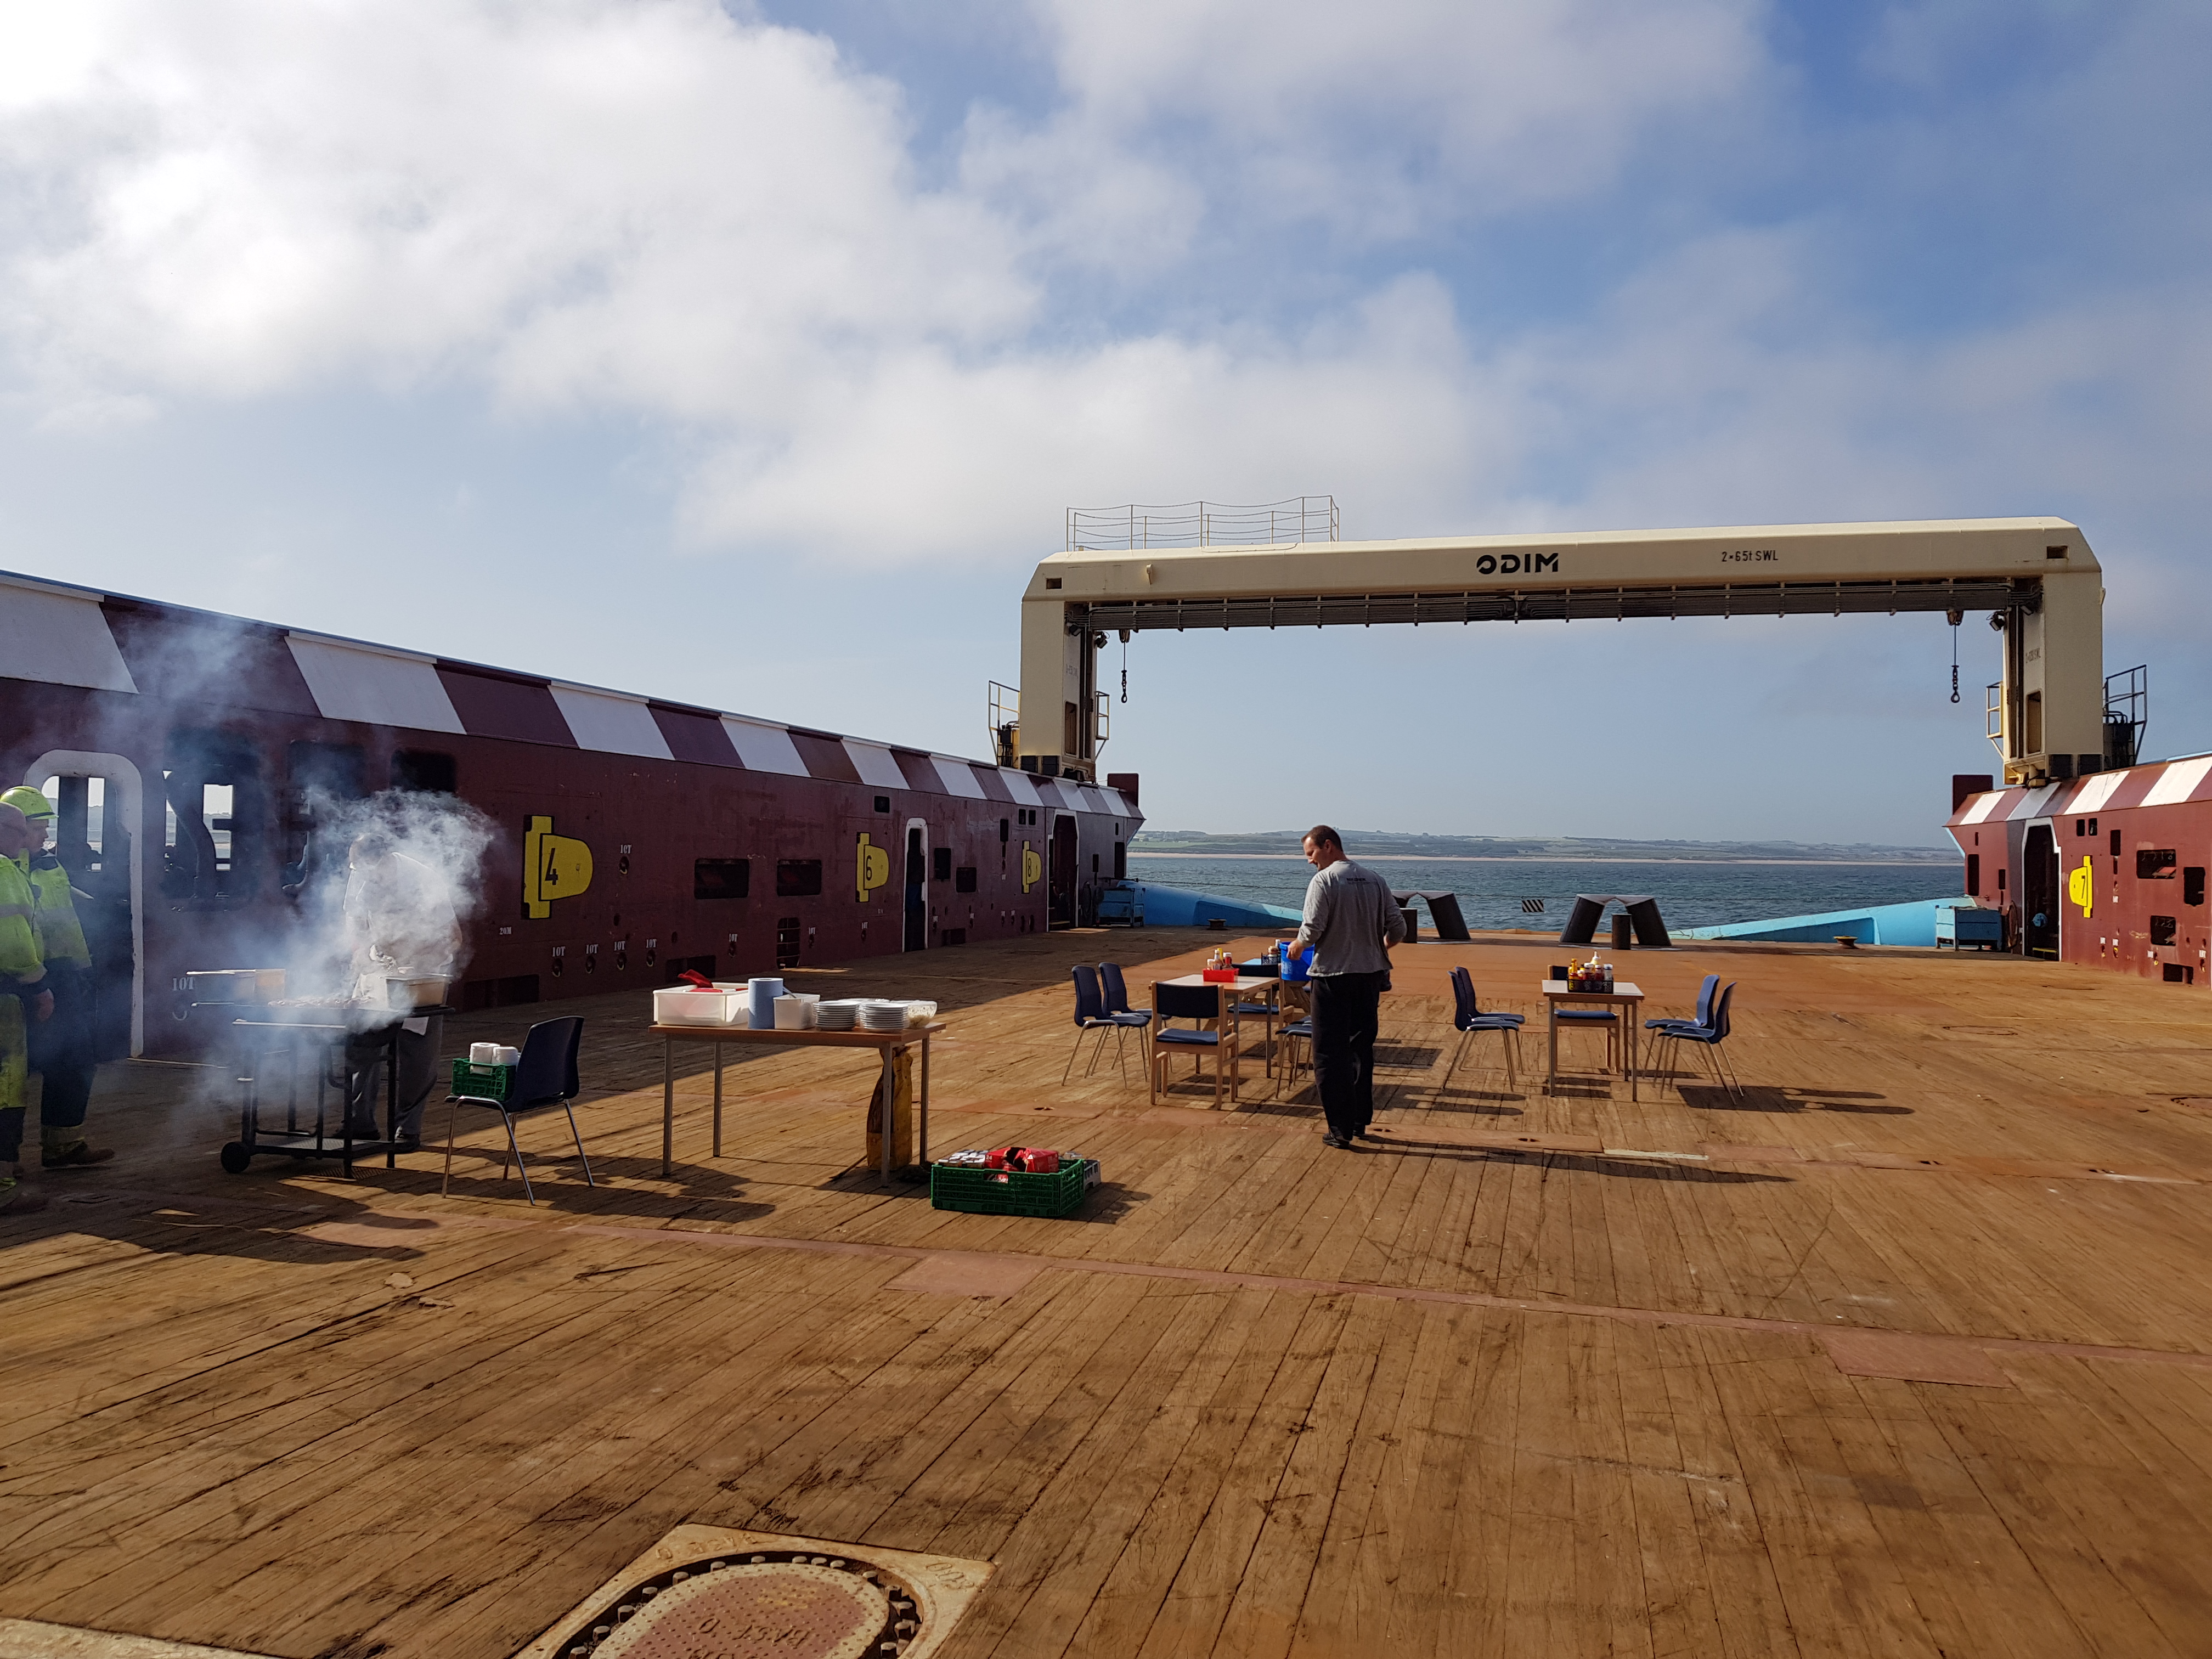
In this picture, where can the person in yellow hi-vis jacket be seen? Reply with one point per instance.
(62, 1049)
(25, 1000)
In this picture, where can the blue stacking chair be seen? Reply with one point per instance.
(1199, 1003)
(1115, 991)
(1090, 1016)
(544, 1075)
(1293, 1033)
(1703, 1019)
(1708, 1037)
(1117, 998)
(1469, 1019)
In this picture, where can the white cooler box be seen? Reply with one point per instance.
(681, 1005)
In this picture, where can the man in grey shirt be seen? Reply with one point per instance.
(1351, 921)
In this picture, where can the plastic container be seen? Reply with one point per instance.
(1011, 1192)
(682, 1005)
(483, 1082)
(797, 1012)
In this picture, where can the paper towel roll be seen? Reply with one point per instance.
(484, 1054)
(760, 1002)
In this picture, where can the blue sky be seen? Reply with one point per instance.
(751, 355)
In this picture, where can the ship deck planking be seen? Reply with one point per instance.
(1904, 1353)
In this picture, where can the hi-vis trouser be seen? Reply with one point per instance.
(15, 1071)
(15, 1053)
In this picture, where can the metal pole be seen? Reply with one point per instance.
(717, 1098)
(667, 1107)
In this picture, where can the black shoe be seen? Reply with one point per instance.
(79, 1157)
(359, 1132)
(406, 1143)
(1334, 1139)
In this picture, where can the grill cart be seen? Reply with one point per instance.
(296, 1059)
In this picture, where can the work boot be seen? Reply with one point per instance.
(17, 1199)
(76, 1155)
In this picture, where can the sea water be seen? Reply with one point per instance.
(1492, 891)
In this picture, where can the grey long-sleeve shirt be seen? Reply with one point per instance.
(1350, 919)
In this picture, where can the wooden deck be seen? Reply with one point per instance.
(1908, 1353)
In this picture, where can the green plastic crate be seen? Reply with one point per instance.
(484, 1082)
(979, 1191)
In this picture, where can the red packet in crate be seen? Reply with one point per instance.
(1002, 1157)
(1041, 1160)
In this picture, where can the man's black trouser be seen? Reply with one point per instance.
(417, 1053)
(1346, 1011)
(61, 1052)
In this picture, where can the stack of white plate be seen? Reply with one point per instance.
(882, 1016)
(839, 1015)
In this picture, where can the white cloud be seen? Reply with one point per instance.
(642, 204)
(923, 455)
(1381, 115)
(655, 209)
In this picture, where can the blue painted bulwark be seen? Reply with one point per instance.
(1175, 907)
(1881, 924)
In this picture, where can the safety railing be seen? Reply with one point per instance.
(2127, 714)
(1203, 523)
(1003, 708)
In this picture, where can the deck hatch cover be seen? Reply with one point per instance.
(735, 1595)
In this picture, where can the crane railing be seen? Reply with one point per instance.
(1203, 523)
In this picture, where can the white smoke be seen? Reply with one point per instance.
(360, 918)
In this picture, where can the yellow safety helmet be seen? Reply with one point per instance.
(28, 801)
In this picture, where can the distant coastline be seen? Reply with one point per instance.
(1136, 851)
(1381, 845)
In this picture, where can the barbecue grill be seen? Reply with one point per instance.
(296, 1050)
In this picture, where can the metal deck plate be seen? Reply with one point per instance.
(718, 1593)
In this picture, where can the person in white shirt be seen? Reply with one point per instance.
(1351, 921)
